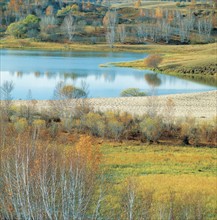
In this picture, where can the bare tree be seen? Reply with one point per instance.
(142, 32)
(121, 30)
(43, 183)
(67, 98)
(110, 37)
(6, 93)
(166, 31)
(184, 30)
(204, 26)
(69, 26)
(109, 22)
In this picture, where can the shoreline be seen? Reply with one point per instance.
(193, 62)
(201, 105)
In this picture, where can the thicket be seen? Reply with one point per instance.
(77, 117)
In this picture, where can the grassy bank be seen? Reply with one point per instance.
(29, 44)
(194, 62)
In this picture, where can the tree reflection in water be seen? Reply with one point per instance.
(152, 79)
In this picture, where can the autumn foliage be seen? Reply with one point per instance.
(153, 61)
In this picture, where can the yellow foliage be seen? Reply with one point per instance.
(20, 125)
(39, 123)
(159, 13)
(85, 152)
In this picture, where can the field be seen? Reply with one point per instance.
(162, 170)
(139, 160)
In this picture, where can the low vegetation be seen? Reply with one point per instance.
(71, 162)
(132, 92)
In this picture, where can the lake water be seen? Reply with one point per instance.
(40, 71)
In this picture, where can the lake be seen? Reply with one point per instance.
(40, 71)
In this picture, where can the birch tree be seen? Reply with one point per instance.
(69, 26)
(121, 30)
(109, 22)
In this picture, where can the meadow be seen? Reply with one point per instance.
(163, 175)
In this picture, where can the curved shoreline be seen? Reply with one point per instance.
(194, 62)
(197, 105)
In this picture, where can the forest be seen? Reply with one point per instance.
(100, 21)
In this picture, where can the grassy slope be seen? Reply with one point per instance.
(198, 62)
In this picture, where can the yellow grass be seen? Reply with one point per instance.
(187, 173)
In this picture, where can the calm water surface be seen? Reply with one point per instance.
(40, 71)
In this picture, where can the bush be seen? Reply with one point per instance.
(152, 128)
(132, 92)
(20, 125)
(95, 124)
(190, 132)
(64, 91)
(153, 61)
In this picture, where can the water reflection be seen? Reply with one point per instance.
(40, 71)
(19, 74)
(152, 79)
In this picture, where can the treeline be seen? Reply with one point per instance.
(94, 22)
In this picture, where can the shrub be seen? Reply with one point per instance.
(190, 132)
(208, 131)
(132, 92)
(53, 129)
(67, 124)
(153, 61)
(115, 129)
(64, 91)
(95, 124)
(20, 125)
(152, 128)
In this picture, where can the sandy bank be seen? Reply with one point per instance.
(199, 105)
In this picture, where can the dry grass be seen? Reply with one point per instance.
(151, 160)
(188, 173)
(196, 61)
